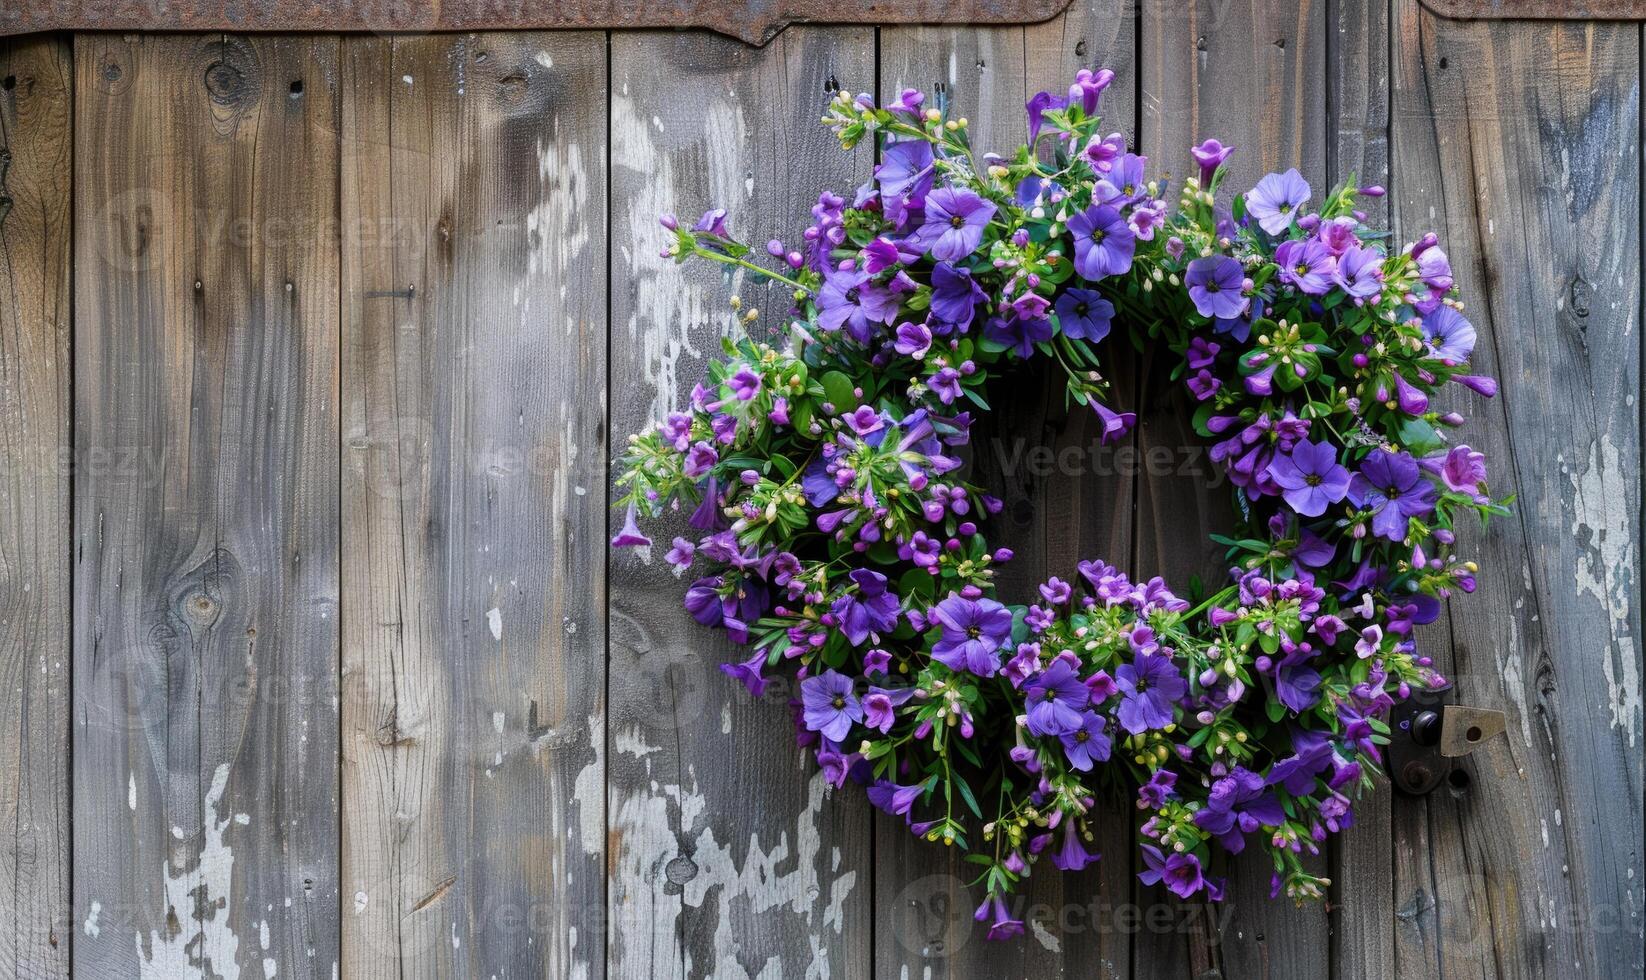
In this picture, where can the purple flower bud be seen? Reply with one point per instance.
(668, 221)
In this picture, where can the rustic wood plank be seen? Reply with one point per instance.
(1252, 74)
(36, 76)
(1065, 499)
(1519, 145)
(1361, 904)
(474, 365)
(730, 858)
(205, 498)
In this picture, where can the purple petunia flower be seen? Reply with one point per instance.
(745, 384)
(748, 673)
(1306, 264)
(849, 299)
(1088, 87)
(880, 706)
(1210, 155)
(1239, 804)
(1215, 284)
(700, 459)
(1084, 314)
(1360, 272)
(1056, 700)
(1124, 183)
(1072, 856)
(830, 706)
(1149, 685)
(630, 536)
(1018, 333)
(955, 219)
(1203, 384)
(713, 222)
(973, 633)
(1003, 926)
(1275, 200)
(893, 799)
(1087, 744)
(1450, 336)
(1310, 477)
(1038, 105)
(1103, 242)
(1392, 487)
(702, 601)
(681, 553)
(1181, 873)
(905, 170)
(913, 340)
(1154, 793)
(1115, 424)
(872, 610)
(955, 295)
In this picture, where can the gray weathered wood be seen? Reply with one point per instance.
(36, 76)
(1358, 44)
(1519, 145)
(474, 298)
(205, 507)
(1073, 504)
(730, 856)
(1251, 74)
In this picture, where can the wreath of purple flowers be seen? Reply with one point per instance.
(838, 538)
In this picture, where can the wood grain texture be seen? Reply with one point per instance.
(1519, 145)
(1066, 499)
(1361, 902)
(205, 492)
(730, 857)
(474, 296)
(1252, 74)
(36, 77)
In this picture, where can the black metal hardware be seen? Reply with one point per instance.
(1426, 738)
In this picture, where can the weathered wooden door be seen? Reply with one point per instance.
(313, 354)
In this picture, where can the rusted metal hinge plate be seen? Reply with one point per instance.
(1538, 9)
(756, 21)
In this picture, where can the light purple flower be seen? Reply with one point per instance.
(1203, 384)
(745, 384)
(830, 707)
(1463, 470)
(1103, 242)
(972, 634)
(1084, 314)
(630, 536)
(1450, 336)
(1371, 640)
(1310, 477)
(849, 299)
(913, 339)
(893, 799)
(1057, 700)
(1214, 284)
(955, 295)
(1210, 155)
(1124, 183)
(880, 706)
(1305, 264)
(870, 611)
(1392, 487)
(955, 219)
(1115, 425)
(1149, 686)
(700, 459)
(681, 554)
(1360, 272)
(1275, 200)
(1086, 744)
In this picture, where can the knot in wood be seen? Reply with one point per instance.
(225, 83)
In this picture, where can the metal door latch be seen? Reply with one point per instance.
(1424, 741)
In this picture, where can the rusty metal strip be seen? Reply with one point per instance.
(754, 21)
(1538, 9)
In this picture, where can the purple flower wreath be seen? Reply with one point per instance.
(838, 538)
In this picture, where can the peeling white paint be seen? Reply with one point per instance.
(631, 741)
(671, 856)
(92, 928)
(1603, 520)
(201, 896)
(494, 619)
(590, 787)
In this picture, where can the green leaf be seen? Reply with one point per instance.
(840, 391)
